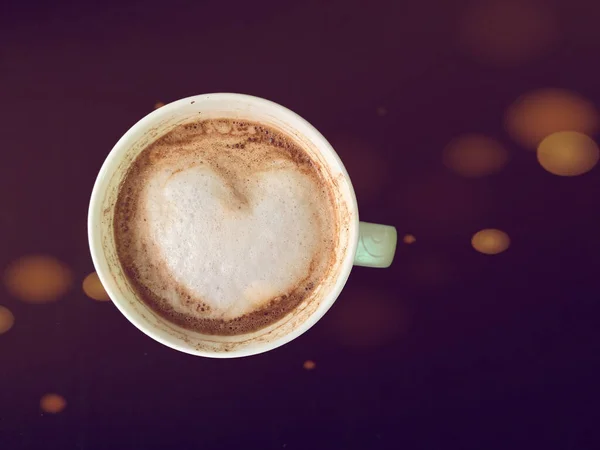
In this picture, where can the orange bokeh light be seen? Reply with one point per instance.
(540, 113)
(7, 319)
(490, 241)
(507, 32)
(158, 105)
(309, 365)
(568, 153)
(92, 286)
(38, 279)
(474, 155)
(409, 239)
(53, 403)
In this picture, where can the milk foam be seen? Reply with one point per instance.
(234, 259)
(224, 227)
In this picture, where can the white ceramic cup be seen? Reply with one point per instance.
(359, 243)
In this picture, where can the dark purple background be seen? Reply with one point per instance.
(463, 350)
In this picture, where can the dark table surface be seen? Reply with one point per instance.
(449, 348)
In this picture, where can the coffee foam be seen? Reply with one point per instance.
(225, 226)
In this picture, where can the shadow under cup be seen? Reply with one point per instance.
(160, 122)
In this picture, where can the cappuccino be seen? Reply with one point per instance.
(225, 226)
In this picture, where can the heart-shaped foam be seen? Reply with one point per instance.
(234, 247)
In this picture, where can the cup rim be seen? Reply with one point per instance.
(99, 257)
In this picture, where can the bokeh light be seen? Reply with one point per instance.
(7, 319)
(158, 105)
(507, 32)
(538, 114)
(474, 155)
(309, 365)
(38, 279)
(409, 239)
(53, 403)
(568, 153)
(92, 286)
(381, 111)
(366, 319)
(490, 241)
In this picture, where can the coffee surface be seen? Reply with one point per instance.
(225, 226)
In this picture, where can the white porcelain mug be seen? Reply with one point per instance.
(359, 243)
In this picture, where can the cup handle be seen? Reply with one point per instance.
(376, 245)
